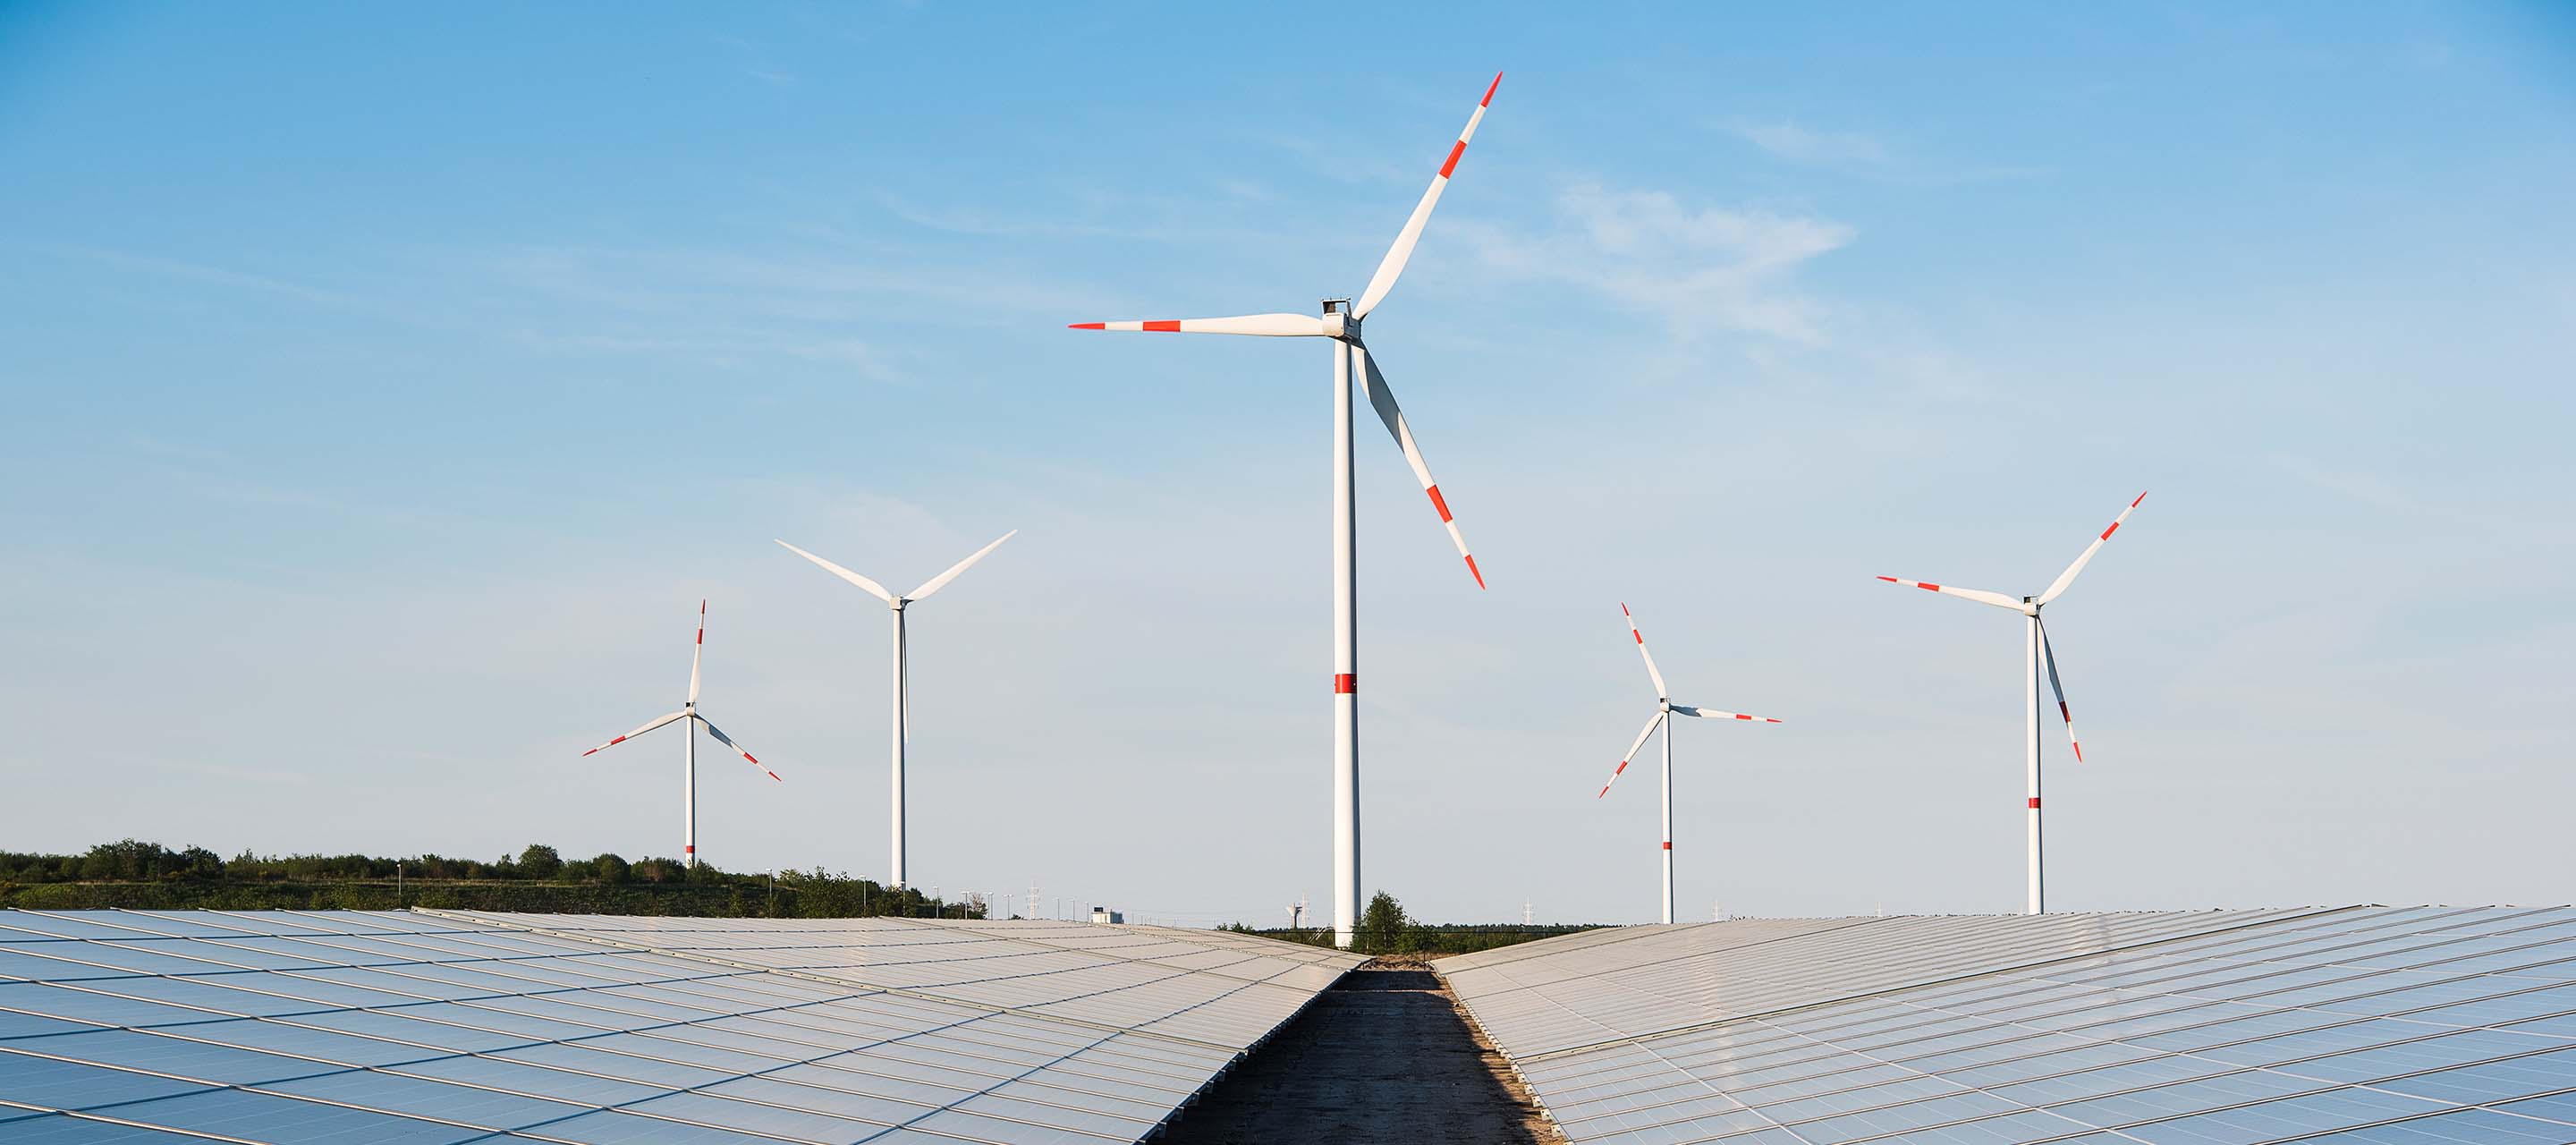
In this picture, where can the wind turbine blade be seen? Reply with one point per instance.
(1661, 692)
(2048, 653)
(1393, 264)
(1383, 399)
(2068, 577)
(697, 652)
(844, 574)
(1259, 325)
(1979, 595)
(941, 581)
(737, 748)
(1632, 750)
(1714, 714)
(637, 732)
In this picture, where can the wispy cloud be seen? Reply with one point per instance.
(1867, 156)
(1697, 267)
(1801, 145)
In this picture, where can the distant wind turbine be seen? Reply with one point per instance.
(689, 712)
(2036, 653)
(902, 657)
(1665, 708)
(1340, 322)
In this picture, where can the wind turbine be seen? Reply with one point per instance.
(1665, 709)
(689, 780)
(902, 656)
(2036, 653)
(1341, 323)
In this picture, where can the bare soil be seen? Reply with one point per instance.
(1386, 1055)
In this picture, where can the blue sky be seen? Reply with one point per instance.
(387, 387)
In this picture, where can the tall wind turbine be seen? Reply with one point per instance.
(2036, 653)
(902, 657)
(689, 775)
(1665, 709)
(1341, 323)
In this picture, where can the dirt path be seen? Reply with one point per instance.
(1384, 1056)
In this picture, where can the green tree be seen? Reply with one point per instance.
(201, 863)
(610, 869)
(1382, 925)
(539, 861)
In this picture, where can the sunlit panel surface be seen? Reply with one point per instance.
(429, 1027)
(2412, 1026)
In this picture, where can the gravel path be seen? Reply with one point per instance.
(1384, 1056)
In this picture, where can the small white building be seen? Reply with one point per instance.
(1102, 914)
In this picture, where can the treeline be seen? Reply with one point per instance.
(1384, 928)
(138, 875)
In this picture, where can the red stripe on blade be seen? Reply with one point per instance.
(1086, 326)
(1164, 327)
(1620, 770)
(2106, 533)
(1346, 684)
(1929, 587)
(1488, 101)
(1437, 501)
(1455, 150)
(1473, 571)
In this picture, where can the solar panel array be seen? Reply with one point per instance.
(429, 1028)
(2390, 1026)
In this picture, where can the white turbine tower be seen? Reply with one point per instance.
(2036, 653)
(1341, 322)
(1665, 709)
(902, 704)
(689, 774)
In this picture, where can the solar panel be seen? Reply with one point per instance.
(2404, 1026)
(297, 1028)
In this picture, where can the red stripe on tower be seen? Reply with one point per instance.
(1668, 844)
(1346, 684)
(2034, 803)
(691, 848)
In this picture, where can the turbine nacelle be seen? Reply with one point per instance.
(1339, 322)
